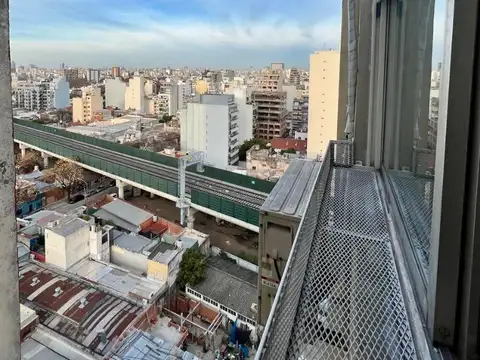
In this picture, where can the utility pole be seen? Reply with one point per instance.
(9, 301)
(183, 163)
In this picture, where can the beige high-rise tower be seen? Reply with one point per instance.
(323, 101)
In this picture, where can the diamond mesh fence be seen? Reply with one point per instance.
(341, 297)
(414, 195)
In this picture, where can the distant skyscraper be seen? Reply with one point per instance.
(93, 75)
(70, 74)
(323, 101)
(116, 71)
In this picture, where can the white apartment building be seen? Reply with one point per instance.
(149, 87)
(84, 107)
(177, 95)
(247, 113)
(158, 105)
(135, 94)
(48, 94)
(211, 125)
(323, 101)
(115, 92)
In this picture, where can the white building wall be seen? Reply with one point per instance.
(77, 245)
(128, 259)
(245, 112)
(193, 128)
(291, 91)
(55, 252)
(135, 94)
(115, 93)
(217, 130)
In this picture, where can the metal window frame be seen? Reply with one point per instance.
(451, 171)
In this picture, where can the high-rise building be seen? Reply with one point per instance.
(116, 71)
(201, 87)
(271, 101)
(323, 101)
(300, 114)
(93, 75)
(71, 74)
(47, 94)
(294, 78)
(115, 92)
(84, 107)
(158, 105)
(247, 112)
(135, 94)
(211, 125)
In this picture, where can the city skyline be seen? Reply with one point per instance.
(163, 33)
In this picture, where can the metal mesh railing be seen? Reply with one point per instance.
(414, 195)
(340, 297)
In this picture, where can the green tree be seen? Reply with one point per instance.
(192, 268)
(242, 153)
(289, 151)
(165, 119)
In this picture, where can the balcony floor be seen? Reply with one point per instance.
(350, 304)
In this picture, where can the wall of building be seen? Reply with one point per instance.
(128, 259)
(115, 93)
(135, 94)
(323, 101)
(61, 93)
(77, 246)
(55, 251)
(201, 87)
(157, 271)
(217, 136)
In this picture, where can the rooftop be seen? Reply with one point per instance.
(78, 310)
(230, 285)
(140, 345)
(118, 280)
(287, 197)
(127, 212)
(68, 225)
(133, 242)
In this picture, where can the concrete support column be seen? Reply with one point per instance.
(23, 149)
(9, 300)
(45, 160)
(190, 217)
(152, 196)
(121, 189)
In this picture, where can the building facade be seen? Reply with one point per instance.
(83, 108)
(211, 125)
(135, 94)
(323, 101)
(48, 94)
(115, 92)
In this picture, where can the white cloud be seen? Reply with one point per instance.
(137, 36)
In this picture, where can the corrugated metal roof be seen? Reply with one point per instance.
(63, 312)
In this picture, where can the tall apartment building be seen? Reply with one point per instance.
(247, 112)
(270, 100)
(294, 78)
(71, 74)
(115, 92)
(135, 94)
(116, 72)
(323, 101)
(48, 94)
(83, 108)
(93, 75)
(150, 87)
(300, 114)
(158, 105)
(211, 125)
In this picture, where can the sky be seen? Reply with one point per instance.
(177, 33)
(148, 33)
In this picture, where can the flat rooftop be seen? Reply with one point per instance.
(118, 280)
(229, 285)
(79, 310)
(133, 242)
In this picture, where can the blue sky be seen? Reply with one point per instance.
(151, 33)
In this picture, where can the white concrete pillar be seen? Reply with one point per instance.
(152, 195)
(190, 217)
(23, 149)
(121, 189)
(45, 160)
(9, 300)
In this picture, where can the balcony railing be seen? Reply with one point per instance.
(340, 294)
